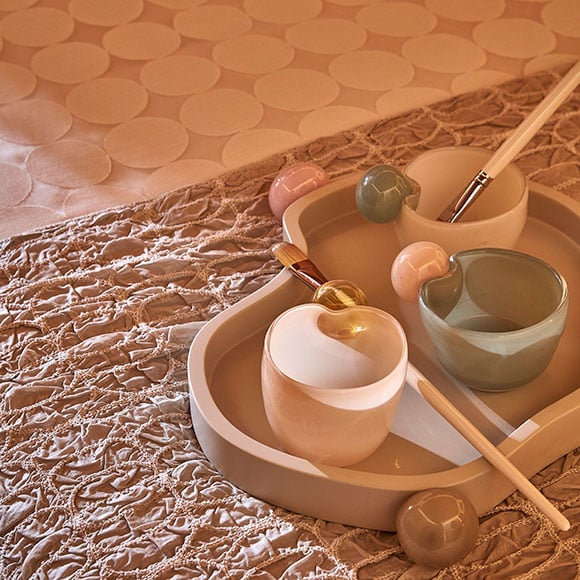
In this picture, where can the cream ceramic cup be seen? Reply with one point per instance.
(496, 219)
(331, 381)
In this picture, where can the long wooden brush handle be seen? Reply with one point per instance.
(449, 412)
(530, 125)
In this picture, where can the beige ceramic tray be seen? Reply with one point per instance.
(532, 425)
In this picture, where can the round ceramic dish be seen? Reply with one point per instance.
(496, 318)
(496, 219)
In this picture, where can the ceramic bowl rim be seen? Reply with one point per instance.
(520, 204)
(455, 263)
(403, 358)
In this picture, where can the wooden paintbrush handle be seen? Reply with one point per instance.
(530, 125)
(484, 446)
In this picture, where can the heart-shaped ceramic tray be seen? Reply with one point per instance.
(533, 425)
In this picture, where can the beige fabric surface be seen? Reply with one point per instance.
(109, 102)
(101, 475)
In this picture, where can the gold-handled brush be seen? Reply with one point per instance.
(341, 294)
(334, 294)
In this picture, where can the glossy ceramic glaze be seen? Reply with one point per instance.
(381, 191)
(496, 318)
(415, 264)
(437, 527)
(292, 183)
(496, 219)
(532, 425)
(331, 380)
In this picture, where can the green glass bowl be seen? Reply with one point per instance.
(496, 318)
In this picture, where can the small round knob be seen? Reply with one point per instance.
(292, 183)
(415, 264)
(437, 527)
(380, 193)
(339, 294)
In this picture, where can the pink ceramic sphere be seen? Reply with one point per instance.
(415, 264)
(292, 183)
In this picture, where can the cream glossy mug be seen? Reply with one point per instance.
(496, 219)
(332, 380)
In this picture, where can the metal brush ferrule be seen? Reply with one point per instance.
(466, 198)
(309, 274)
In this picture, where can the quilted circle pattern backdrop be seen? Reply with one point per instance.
(104, 103)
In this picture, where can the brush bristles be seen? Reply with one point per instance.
(293, 258)
(288, 254)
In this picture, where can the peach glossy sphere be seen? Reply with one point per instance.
(292, 183)
(415, 264)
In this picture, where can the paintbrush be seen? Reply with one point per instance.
(303, 268)
(512, 146)
(334, 294)
(293, 258)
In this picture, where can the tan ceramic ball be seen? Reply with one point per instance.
(437, 527)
